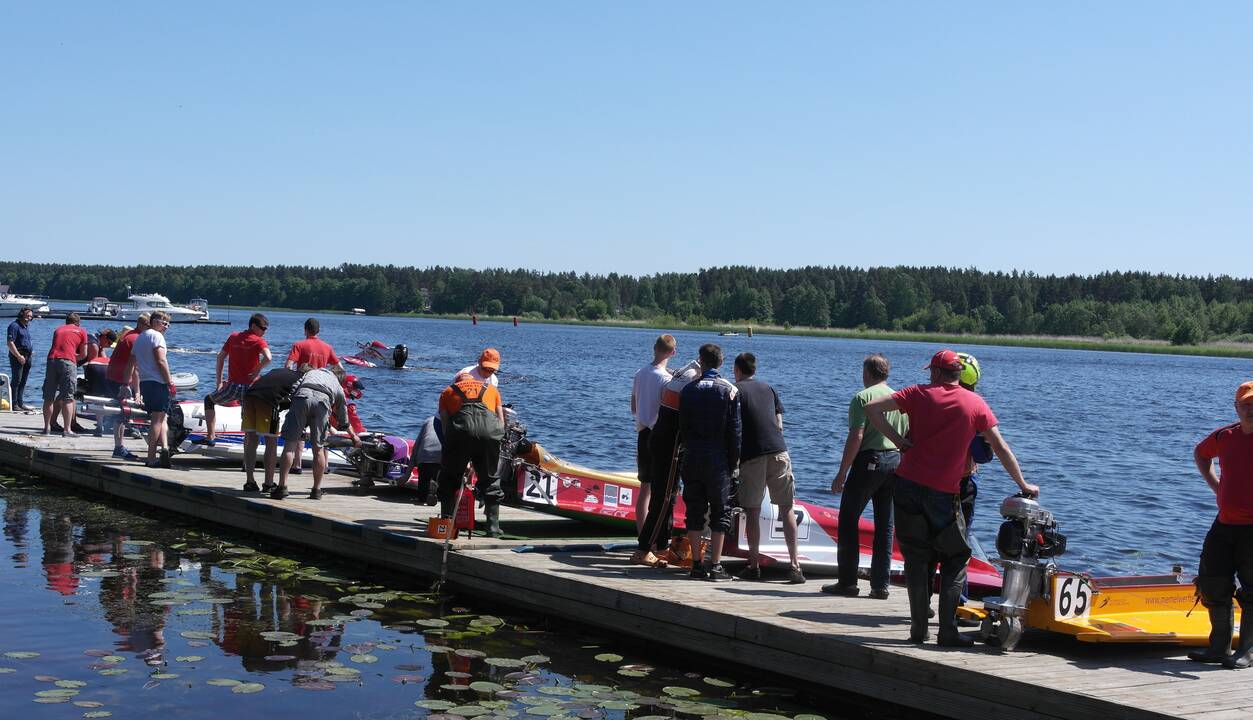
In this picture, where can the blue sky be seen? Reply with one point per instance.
(630, 137)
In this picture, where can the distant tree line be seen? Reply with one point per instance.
(1184, 310)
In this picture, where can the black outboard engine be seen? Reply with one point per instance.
(400, 354)
(1026, 542)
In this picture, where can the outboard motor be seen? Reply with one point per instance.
(380, 458)
(400, 354)
(1026, 543)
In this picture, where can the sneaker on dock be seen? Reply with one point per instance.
(279, 493)
(124, 454)
(315, 494)
(795, 576)
(752, 573)
(251, 486)
(268, 487)
(841, 590)
(716, 573)
(698, 572)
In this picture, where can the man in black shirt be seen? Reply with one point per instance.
(263, 401)
(764, 463)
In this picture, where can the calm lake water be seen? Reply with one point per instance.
(1107, 436)
(108, 613)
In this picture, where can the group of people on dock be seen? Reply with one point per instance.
(724, 440)
(913, 454)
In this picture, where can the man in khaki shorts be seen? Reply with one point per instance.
(764, 463)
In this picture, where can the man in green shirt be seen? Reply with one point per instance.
(868, 465)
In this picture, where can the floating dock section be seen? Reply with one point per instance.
(842, 645)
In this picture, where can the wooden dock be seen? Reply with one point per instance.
(848, 645)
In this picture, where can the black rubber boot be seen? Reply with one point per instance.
(918, 590)
(1244, 652)
(952, 579)
(1219, 650)
(491, 510)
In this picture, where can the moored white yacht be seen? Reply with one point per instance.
(12, 303)
(148, 302)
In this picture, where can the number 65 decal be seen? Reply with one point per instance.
(1072, 597)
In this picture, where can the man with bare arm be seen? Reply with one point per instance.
(148, 357)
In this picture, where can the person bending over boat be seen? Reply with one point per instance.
(943, 418)
(764, 463)
(1228, 549)
(645, 399)
(248, 353)
(124, 386)
(709, 422)
(664, 449)
(469, 419)
(867, 475)
(317, 395)
(263, 401)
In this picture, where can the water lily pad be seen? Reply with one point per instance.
(138, 543)
(59, 692)
(609, 657)
(632, 673)
(196, 635)
(247, 688)
(189, 658)
(280, 658)
(21, 655)
(88, 703)
(431, 622)
(545, 710)
(321, 622)
(484, 686)
(617, 705)
(471, 653)
(443, 716)
(194, 611)
(455, 688)
(437, 648)
(51, 700)
(809, 717)
(458, 675)
(504, 662)
(678, 691)
(99, 574)
(112, 659)
(556, 690)
(486, 621)
(340, 670)
(718, 682)
(98, 714)
(69, 683)
(134, 556)
(163, 676)
(468, 711)
(197, 643)
(313, 685)
(279, 635)
(239, 551)
(7, 670)
(435, 704)
(223, 682)
(367, 659)
(114, 671)
(97, 653)
(536, 659)
(765, 716)
(217, 600)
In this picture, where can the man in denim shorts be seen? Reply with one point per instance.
(764, 463)
(69, 346)
(248, 354)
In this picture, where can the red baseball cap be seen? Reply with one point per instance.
(945, 360)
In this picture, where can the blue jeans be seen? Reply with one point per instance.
(868, 486)
(18, 373)
(930, 528)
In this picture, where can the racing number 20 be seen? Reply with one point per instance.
(1072, 597)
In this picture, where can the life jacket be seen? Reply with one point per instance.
(670, 391)
(474, 418)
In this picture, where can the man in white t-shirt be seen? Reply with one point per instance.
(645, 402)
(485, 372)
(148, 356)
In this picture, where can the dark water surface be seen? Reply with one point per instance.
(1107, 436)
(108, 613)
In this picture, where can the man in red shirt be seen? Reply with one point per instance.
(124, 388)
(69, 347)
(312, 351)
(943, 419)
(1228, 548)
(248, 353)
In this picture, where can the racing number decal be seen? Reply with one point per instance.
(1072, 597)
(802, 523)
(541, 488)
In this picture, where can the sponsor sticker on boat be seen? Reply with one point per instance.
(611, 495)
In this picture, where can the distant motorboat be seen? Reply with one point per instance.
(728, 334)
(151, 302)
(358, 311)
(101, 307)
(11, 303)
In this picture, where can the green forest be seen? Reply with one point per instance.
(1180, 309)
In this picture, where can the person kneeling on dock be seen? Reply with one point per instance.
(263, 401)
(318, 394)
(469, 419)
(1228, 548)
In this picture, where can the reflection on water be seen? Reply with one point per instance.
(145, 616)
